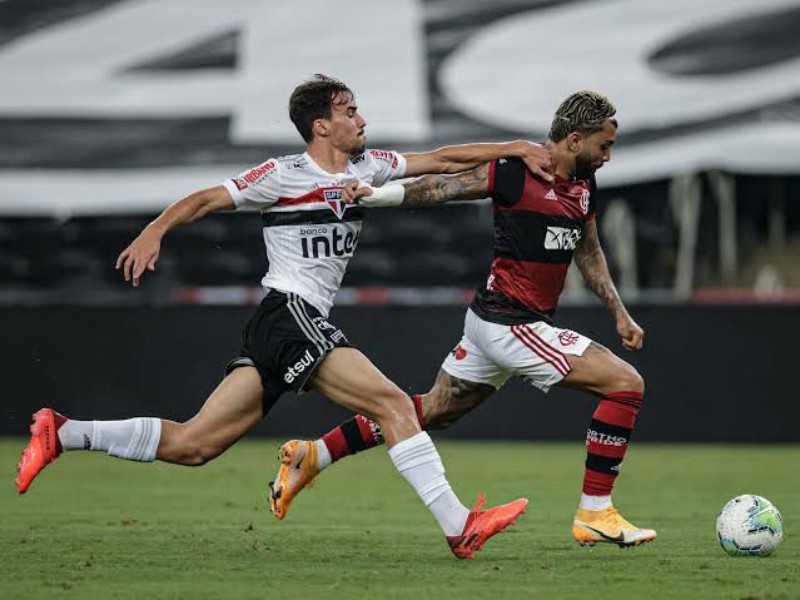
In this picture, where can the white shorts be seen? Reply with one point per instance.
(490, 353)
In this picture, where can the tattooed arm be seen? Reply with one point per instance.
(430, 190)
(591, 261)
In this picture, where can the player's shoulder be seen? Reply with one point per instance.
(375, 157)
(269, 169)
(292, 162)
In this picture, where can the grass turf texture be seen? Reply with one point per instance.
(96, 527)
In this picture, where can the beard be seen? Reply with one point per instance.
(359, 147)
(583, 166)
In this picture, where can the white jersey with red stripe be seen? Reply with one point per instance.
(310, 234)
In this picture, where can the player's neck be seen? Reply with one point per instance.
(563, 163)
(327, 157)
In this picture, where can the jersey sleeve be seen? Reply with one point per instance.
(256, 188)
(506, 180)
(387, 165)
(592, 212)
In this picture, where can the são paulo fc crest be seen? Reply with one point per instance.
(333, 197)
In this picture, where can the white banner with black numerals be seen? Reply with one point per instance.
(122, 106)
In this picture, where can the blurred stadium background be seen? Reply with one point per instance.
(110, 110)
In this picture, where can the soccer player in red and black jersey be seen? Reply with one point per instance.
(539, 229)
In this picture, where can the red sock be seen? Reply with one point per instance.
(607, 440)
(359, 433)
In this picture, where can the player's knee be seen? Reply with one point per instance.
(392, 404)
(628, 379)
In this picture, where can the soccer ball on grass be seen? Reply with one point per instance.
(749, 526)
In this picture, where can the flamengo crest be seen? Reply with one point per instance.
(585, 201)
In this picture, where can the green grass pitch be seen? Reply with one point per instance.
(96, 527)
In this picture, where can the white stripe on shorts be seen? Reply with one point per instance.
(305, 324)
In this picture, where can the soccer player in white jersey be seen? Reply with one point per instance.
(310, 235)
(540, 227)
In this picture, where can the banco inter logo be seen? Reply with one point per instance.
(327, 241)
(561, 238)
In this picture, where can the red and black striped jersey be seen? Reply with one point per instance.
(537, 226)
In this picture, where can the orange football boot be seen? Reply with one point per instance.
(298, 469)
(43, 448)
(483, 524)
(608, 527)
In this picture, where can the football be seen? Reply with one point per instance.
(749, 525)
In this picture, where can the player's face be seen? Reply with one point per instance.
(347, 126)
(595, 151)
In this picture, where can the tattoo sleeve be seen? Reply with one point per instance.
(591, 261)
(432, 190)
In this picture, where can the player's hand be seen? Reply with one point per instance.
(632, 335)
(538, 160)
(140, 256)
(354, 191)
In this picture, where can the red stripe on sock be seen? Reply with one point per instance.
(336, 444)
(597, 484)
(619, 408)
(368, 432)
(417, 400)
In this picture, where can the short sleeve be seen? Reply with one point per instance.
(258, 188)
(592, 212)
(506, 180)
(387, 165)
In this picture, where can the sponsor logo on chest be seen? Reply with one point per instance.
(561, 238)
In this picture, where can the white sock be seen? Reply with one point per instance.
(418, 462)
(76, 435)
(132, 439)
(595, 502)
(323, 455)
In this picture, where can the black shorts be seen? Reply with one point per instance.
(285, 340)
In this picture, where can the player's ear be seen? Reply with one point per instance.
(574, 142)
(321, 128)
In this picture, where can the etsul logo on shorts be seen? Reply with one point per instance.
(297, 368)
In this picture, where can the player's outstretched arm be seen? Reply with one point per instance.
(591, 261)
(430, 190)
(143, 252)
(463, 157)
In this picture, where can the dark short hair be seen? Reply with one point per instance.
(312, 100)
(583, 112)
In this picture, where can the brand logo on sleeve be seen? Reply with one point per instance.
(255, 175)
